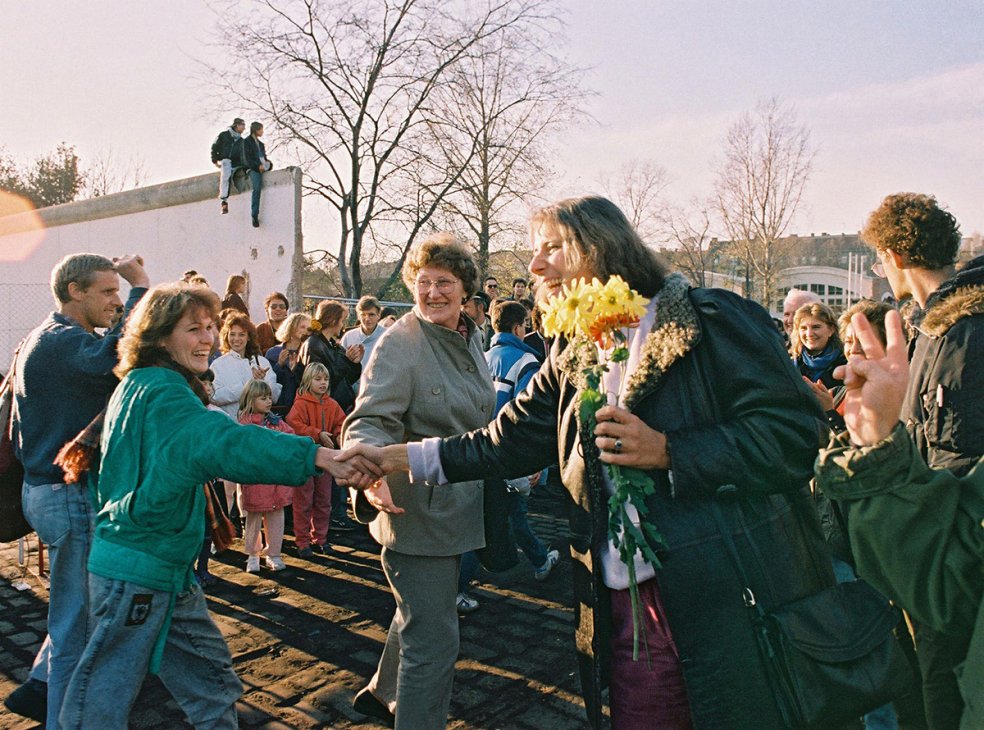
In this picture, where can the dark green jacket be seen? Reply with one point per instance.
(918, 536)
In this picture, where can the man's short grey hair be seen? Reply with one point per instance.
(805, 297)
(80, 268)
(367, 302)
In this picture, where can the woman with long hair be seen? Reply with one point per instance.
(710, 407)
(240, 362)
(817, 348)
(344, 364)
(159, 446)
(234, 291)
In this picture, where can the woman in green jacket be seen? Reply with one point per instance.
(917, 533)
(159, 445)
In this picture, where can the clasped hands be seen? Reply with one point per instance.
(364, 466)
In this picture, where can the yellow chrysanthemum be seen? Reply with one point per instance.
(593, 309)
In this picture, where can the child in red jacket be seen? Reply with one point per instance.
(318, 415)
(263, 502)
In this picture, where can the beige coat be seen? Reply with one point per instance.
(423, 380)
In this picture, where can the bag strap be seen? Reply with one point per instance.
(747, 595)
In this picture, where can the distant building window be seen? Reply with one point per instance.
(817, 289)
(834, 291)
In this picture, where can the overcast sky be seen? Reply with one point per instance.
(893, 92)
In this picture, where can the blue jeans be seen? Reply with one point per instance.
(526, 541)
(256, 182)
(196, 666)
(63, 517)
(884, 717)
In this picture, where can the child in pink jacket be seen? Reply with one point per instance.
(263, 502)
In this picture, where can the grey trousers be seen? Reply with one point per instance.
(416, 670)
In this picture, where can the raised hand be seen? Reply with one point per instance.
(875, 382)
(259, 373)
(820, 391)
(131, 268)
(355, 353)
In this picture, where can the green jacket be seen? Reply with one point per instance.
(918, 536)
(159, 446)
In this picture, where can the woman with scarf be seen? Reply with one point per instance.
(159, 444)
(817, 347)
(718, 417)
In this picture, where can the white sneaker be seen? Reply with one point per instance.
(275, 563)
(543, 572)
(466, 604)
(253, 564)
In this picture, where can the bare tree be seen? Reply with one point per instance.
(348, 86)
(637, 188)
(689, 234)
(768, 158)
(109, 173)
(500, 105)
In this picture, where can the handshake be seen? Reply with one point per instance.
(363, 466)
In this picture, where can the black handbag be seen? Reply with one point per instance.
(13, 525)
(830, 657)
(499, 553)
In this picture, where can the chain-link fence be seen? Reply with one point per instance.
(22, 308)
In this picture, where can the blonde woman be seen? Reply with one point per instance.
(283, 357)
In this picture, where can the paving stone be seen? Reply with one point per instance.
(303, 653)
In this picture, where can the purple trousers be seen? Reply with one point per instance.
(648, 694)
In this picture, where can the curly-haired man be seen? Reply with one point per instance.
(916, 242)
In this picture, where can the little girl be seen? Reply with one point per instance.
(263, 502)
(318, 415)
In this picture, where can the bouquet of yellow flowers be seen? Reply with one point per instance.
(603, 313)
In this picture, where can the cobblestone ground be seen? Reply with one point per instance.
(305, 640)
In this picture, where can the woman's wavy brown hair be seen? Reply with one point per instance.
(329, 313)
(154, 318)
(603, 242)
(239, 320)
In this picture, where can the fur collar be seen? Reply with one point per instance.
(675, 332)
(964, 302)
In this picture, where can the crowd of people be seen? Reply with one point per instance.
(429, 415)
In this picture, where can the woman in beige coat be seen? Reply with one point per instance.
(427, 377)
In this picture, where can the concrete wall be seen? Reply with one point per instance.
(175, 226)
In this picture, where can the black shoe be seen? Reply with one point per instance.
(225, 207)
(256, 222)
(321, 549)
(365, 703)
(30, 700)
(343, 524)
(306, 553)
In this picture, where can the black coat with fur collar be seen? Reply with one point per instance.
(943, 408)
(743, 431)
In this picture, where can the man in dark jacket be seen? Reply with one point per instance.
(227, 153)
(254, 153)
(916, 242)
(64, 376)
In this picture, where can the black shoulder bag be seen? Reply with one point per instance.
(13, 526)
(830, 657)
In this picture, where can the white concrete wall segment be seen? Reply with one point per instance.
(175, 226)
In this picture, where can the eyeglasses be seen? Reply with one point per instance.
(878, 269)
(491, 286)
(277, 305)
(443, 285)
